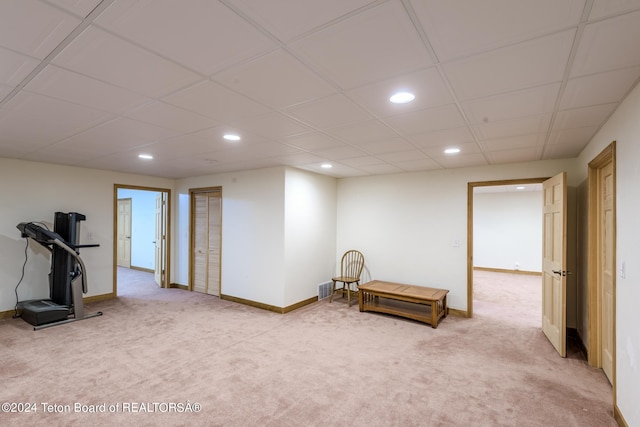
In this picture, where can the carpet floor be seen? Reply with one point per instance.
(169, 357)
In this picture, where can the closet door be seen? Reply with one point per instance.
(206, 221)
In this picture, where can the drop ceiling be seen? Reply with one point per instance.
(96, 83)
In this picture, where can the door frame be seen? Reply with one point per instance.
(192, 193)
(167, 254)
(594, 285)
(470, 188)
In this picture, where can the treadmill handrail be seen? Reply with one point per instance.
(75, 255)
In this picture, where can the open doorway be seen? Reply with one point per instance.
(505, 264)
(507, 252)
(141, 238)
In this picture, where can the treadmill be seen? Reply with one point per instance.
(68, 275)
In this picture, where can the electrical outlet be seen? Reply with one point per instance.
(623, 270)
(517, 266)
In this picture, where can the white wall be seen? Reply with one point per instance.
(624, 128)
(33, 191)
(507, 230)
(310, 233)
(405, 224)
(252, 233)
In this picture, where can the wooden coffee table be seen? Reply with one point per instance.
(419, 303)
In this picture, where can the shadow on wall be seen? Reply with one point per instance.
(34, 284)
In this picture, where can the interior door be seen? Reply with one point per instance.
(554, 273)
(206, 241)
(160, 239)
(124, 233)
(606, 265)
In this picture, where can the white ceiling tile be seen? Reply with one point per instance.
(339, 153)
(79, 8)
(578, 136)
(361, 161)
(312, 141)
(357, 133)
(515, 142)
(373, 45)
(442, 137)
(73, 87)
(33, 120)
(338, 170)
(456, 29)
(427, 85)
(276, 79)
(170, 117)
(187, 33)
(380, 169)
(467, 148)
(424, 164)
(599, 88)
(385, 146)
(216, 101)
(533, 63)
(402, 156)
(302, 158)
(608, 45)
(272, 125)
(101, 55)
(14, 67)
(512, 105)
(603, 8)
(34, 28)
(332, 111)
(515, 127)
(288, 19)
(114, 135)
(183, 146)
(462, 160)
(563, 151)
(582, 117)
(4, 91)
(429, 120)
(515, 156)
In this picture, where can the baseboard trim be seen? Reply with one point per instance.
(178, 286)
(617, 415)
(275, 309)
(146, 270)
(456, 312)
(503, 270)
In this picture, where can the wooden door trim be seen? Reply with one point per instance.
(594, 357)
(167, 255)
(192, 192)
(470, 187)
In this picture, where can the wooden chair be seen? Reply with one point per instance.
(350, 269)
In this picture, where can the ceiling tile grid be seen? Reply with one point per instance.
(305, 83)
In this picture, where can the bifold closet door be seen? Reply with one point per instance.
(207, 223)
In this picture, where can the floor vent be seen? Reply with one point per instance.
(324, 290)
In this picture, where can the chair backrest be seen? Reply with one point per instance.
(352, 264)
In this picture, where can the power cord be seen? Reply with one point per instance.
(26, 257)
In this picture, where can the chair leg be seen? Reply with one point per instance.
(333, 291)
(348, 294)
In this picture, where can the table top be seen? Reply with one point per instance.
(392, 288)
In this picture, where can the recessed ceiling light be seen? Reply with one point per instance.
(231, 137)
(145, 156)
(452, 151)
(402, 97)
(520, 188)
(326, 166)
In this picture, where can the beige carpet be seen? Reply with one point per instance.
(154, 351)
